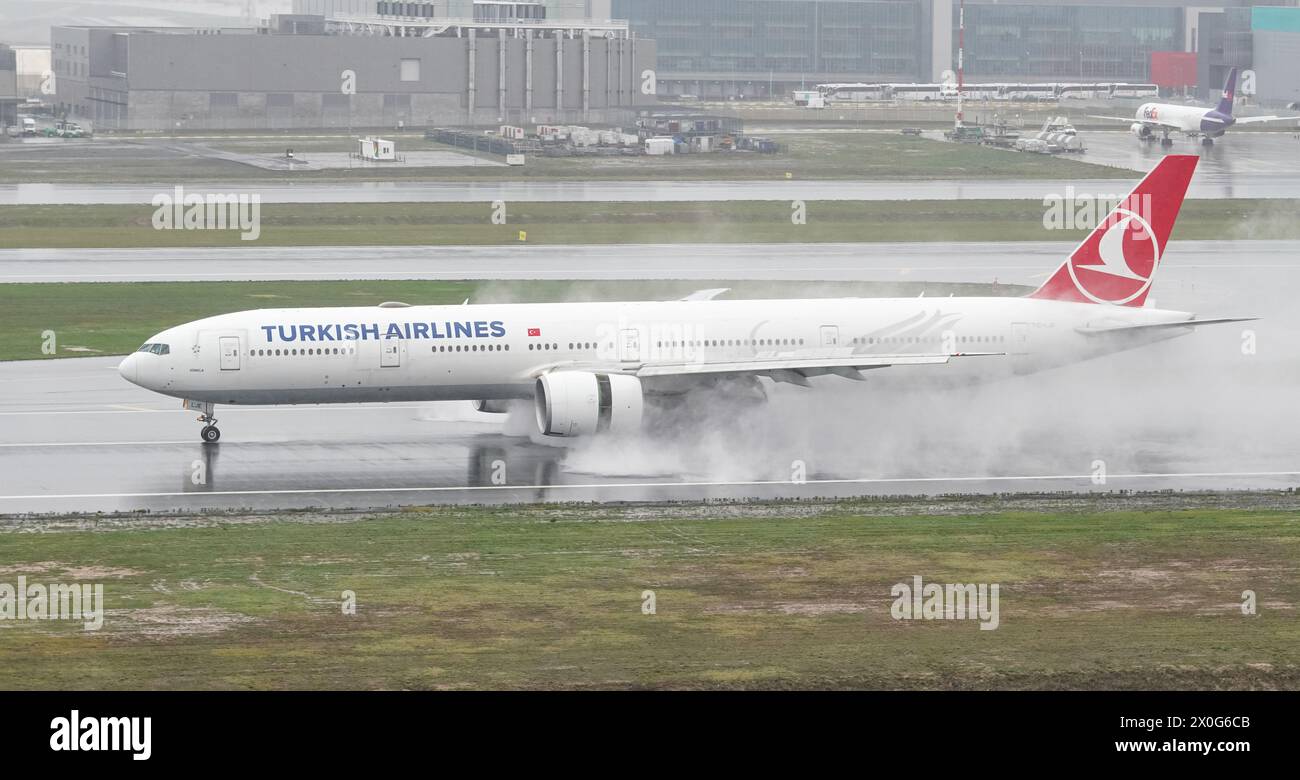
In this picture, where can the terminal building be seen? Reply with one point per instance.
(383, 63)
(720, 49)
(9, 97)
(361, 64)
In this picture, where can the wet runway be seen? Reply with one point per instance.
(1025, 263)
(1237, 154)
(1270, 184)
(1247, 155)
(1199, 412)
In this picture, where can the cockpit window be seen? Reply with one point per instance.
(157, 349)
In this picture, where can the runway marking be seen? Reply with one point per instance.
(96, 443)
(231, 409)
(620, 485)
(92, 411)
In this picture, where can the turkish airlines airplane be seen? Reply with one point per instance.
(595, 367)
(1210, 123)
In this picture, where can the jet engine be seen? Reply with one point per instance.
(580, 403)
(1140, 130)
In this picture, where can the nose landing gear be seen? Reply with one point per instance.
(205, 409)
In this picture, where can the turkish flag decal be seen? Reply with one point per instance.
(534, 331)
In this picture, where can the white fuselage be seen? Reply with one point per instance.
(1187, 119)
(479, 352)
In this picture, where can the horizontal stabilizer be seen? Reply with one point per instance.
(1251, 120)
(1155, 325)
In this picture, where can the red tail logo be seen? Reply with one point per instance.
(1117, 262)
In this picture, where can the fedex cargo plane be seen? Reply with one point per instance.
(589, 368)
(1207, 123)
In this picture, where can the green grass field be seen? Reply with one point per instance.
(116, 318)
(614, 223)
(746, 596)
(807, 156)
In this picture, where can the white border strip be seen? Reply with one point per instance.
(624, 485)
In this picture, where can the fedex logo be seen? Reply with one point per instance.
(1150, 112)
(353, 331)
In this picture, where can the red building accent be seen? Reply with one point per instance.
(1173, 69)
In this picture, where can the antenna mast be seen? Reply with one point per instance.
(961, 52)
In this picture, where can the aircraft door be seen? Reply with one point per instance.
(229, 348)
(1019, 338)
(629, 345)
(830, 336)
(390, 353)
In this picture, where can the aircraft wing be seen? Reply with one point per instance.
(1144, 122)
(1250, 120)
(776, 366)
(1113, 118)
(798, 369)
(705, 295)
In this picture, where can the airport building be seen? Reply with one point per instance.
(1274, 40)
(382, 63)
(9, 98)
(372, 64)
(715, 49)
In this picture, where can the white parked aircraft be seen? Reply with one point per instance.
(1208, 123)
(592, 367)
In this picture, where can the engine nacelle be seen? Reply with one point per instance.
(580, 403)
(1140, 130)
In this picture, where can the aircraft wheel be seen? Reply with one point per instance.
(1207, 142)
(210, 433)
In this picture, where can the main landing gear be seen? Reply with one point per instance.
(1207, 142)
(1166, 141)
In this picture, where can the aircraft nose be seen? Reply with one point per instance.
(130, 368)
